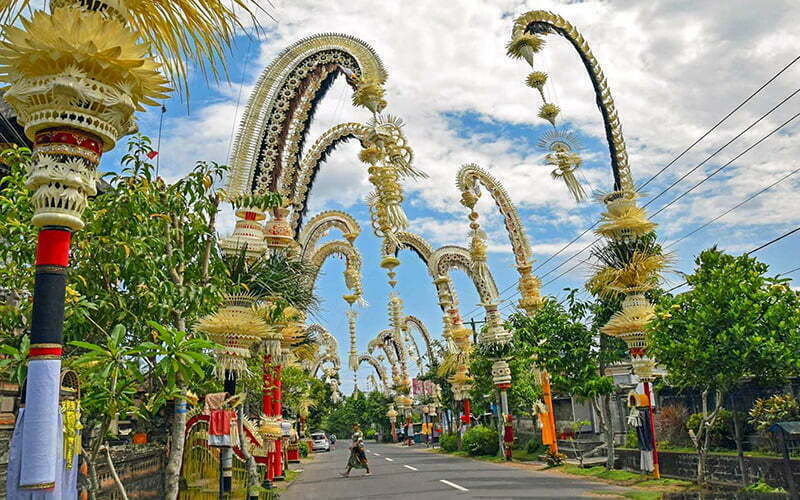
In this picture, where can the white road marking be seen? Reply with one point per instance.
(454, 485)
(409, 467)
(376, 454)
(388, 459)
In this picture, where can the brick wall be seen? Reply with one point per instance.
(721, 469)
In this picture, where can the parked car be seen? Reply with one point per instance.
(320, 442)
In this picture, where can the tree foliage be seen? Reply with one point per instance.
(735, 322)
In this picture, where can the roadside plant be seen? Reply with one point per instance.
(14, 364)
(735, 323)
(110, 378)
(481, 440)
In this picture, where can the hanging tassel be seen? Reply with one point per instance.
(549, 112)
(572, 182)
(524, 47)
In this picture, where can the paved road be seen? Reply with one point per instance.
(399, 472)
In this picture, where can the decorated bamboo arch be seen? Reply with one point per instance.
(468, 179)
(419, 326)
(630, 262)
(267, 150)
(540, 22)
(352, 273)
(320, 224)
(379, 369)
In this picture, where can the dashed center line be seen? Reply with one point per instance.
(409, 467)
(376, 454)
(388, 459)
(454, 485)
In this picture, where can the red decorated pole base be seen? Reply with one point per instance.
(508, 437)
(293, 454)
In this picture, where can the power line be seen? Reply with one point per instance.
(721, 148)
(724, 118)
(726, 212)
(715, 172)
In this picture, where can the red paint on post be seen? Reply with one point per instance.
(52, 248)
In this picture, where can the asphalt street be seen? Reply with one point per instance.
(400, 472)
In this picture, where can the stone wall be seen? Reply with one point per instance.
(141, 470)
(720, 469)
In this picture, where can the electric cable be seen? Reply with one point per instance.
(722, 120)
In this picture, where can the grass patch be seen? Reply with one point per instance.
(524, 456)
(633, 494)
(642, 495)
(659, 483)
(600, 472)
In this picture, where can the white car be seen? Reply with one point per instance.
(320, 442)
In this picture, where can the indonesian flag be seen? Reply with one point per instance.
(152, 154)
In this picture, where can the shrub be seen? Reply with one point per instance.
(303, 447)
(721, 432)
(534, 446)
(481, 440)
(631, 439)
(769, 411)
(370, 434)
(671, 425)
(449, 442)
(762, 487)
(778, 408)
(554, 459)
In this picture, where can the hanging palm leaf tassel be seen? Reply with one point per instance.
(572, 182)
(524, 46)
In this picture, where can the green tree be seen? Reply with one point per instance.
(180, 359)
(735, 322)
(110, 377)
(561, 343)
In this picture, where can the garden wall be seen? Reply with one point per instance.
(141, 470)
(721, 469)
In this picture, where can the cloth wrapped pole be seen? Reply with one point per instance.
(66, 480)
(42, 430)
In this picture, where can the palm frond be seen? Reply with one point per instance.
(181, 33)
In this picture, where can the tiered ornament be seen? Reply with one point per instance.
(389, 157)
(236, 328)
(278, 230)
(248, 234)
(270, 430)
(353, 361)
(629, 266)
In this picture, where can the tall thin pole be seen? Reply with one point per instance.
(656, 471)
(158, 143)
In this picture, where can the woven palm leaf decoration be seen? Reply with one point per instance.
(180, 33)
(562, 147)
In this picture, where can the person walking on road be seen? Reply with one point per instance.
(358, 456)
(333, 441)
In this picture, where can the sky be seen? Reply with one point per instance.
(675, 68)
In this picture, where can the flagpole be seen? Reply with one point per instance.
(158, 144)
